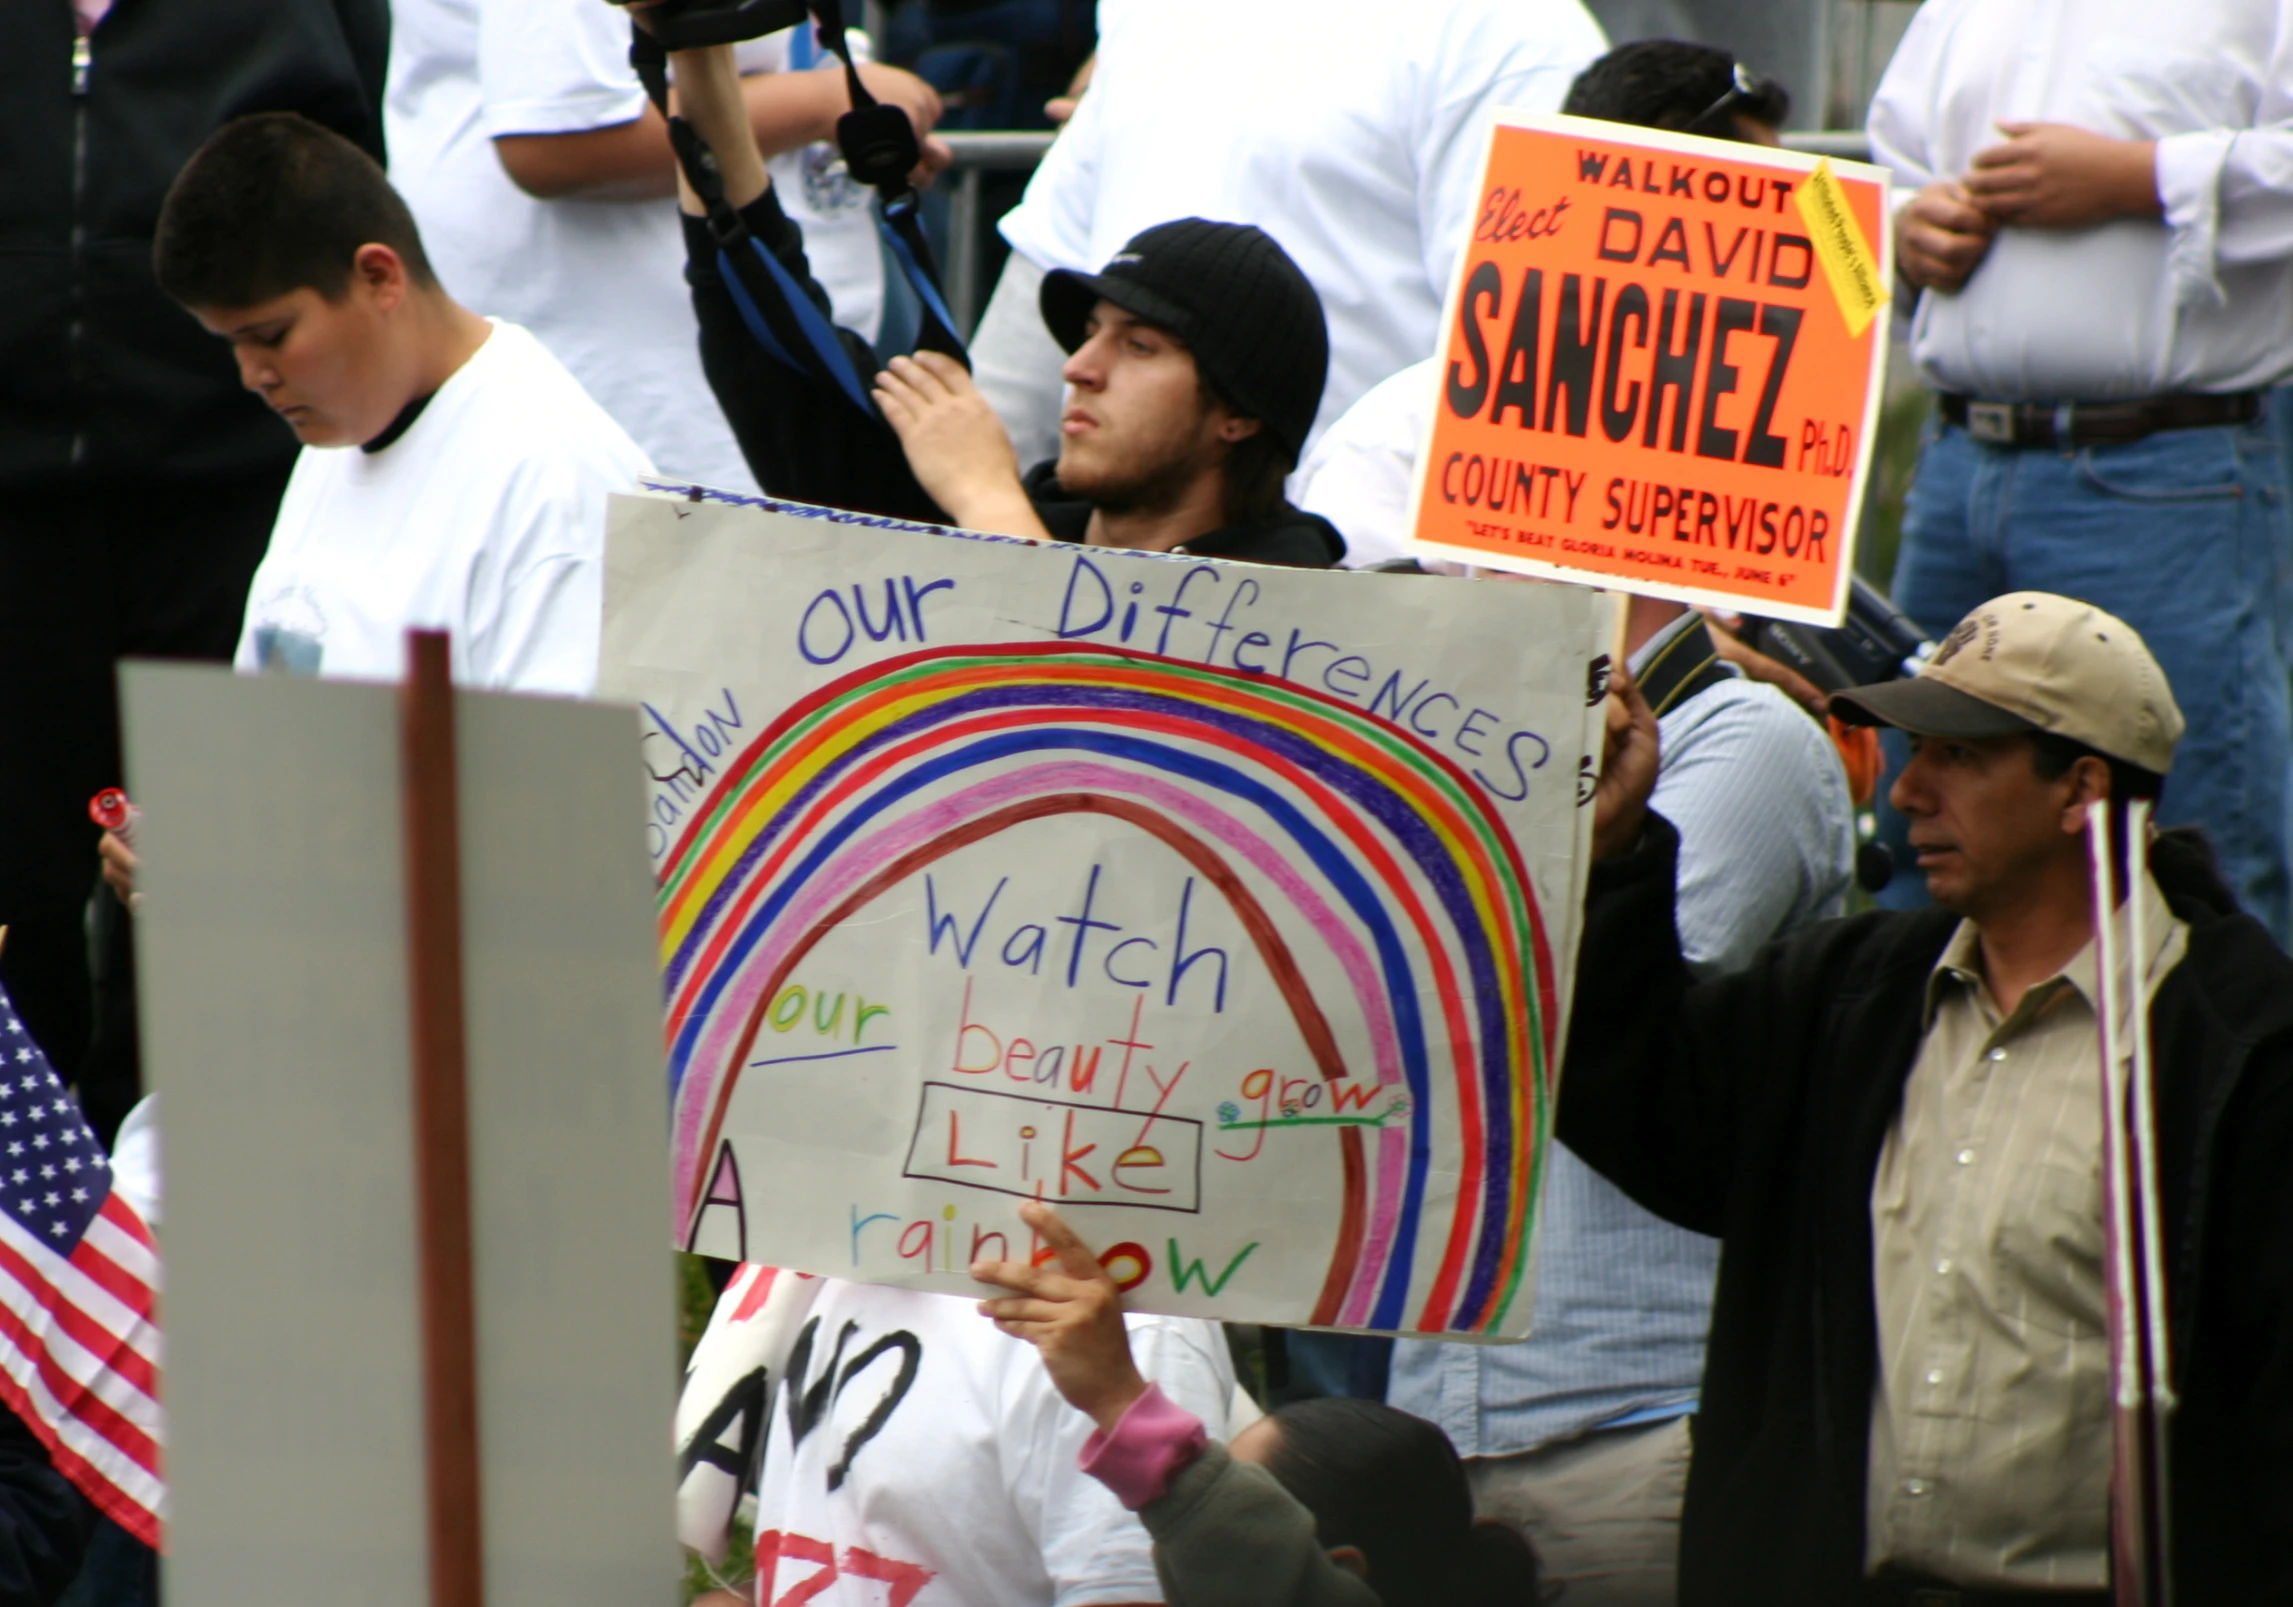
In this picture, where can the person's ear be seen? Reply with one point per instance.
(1234, 431)
(2089, 780)
(379, 273)
(1351, 1559)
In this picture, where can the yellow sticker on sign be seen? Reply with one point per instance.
(1848, 261)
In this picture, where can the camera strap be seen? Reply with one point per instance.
(1689, 664)
(880, 149)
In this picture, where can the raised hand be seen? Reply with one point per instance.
(1072, 1313)
(1628, 777)
(957, 447)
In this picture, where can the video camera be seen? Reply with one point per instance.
(1878, 642)
(878, 143)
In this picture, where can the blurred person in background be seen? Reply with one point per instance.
(138, 480)
(2097, 209)
(522, 139)
(996, 63)
(1351, 132)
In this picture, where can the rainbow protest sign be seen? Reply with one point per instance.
(1228, 909)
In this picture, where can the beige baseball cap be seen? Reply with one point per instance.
(2032, 661)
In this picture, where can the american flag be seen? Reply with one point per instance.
(79, 1277)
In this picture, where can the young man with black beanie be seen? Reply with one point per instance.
(1197, 362)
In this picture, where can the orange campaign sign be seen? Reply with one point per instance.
(1663, 364)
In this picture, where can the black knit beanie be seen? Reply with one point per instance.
(1234, 296)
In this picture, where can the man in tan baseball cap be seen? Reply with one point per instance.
(2000, 836)
(2032, 661)
(1894, 1124)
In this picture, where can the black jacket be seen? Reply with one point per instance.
(45, 1523)
(1754, 1106)
(808, 441)
(100, 374)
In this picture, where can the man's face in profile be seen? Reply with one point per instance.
(1139, 429)
(323, 364)
(1983, 821)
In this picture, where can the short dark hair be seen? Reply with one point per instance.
(1671, 83)
(1390, 1484)
(1257, 467)
(2052, 755)
(273, 203)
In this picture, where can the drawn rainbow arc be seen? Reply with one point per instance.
(1382, 850)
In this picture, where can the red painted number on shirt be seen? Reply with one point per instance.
(907, 1579)
(771, 1546)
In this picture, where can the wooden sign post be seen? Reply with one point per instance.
(441, 1121)
(399, 994)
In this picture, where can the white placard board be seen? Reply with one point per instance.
(271, 948)
(1229, 908)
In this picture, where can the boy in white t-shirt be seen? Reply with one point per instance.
(453, 475)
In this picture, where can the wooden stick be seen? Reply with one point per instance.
(441, 1120)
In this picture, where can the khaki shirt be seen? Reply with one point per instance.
(1990, 1421)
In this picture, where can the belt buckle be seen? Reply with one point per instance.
(1992, 422)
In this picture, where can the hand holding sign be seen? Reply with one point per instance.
(1627, 773)
(1072, 1313)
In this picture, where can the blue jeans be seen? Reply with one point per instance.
(2187, 537)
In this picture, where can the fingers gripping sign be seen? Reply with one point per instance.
(1071, 1310)
(1628, 774)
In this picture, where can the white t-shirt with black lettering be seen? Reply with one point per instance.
(920, 1456)
(486, 518)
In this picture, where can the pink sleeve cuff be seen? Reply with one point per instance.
(1154, 1440)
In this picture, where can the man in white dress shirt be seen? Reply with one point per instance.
(2097, 206)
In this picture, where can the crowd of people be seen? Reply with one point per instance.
(332, 317)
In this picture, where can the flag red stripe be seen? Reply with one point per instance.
(113, 1279)
(132, 1252)
(133, 1318)
(79, 1398)
(100, 1486)
(128, 1511)
(109, 1349)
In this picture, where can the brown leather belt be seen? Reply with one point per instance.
(2094, 423)
(1895, 1589)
